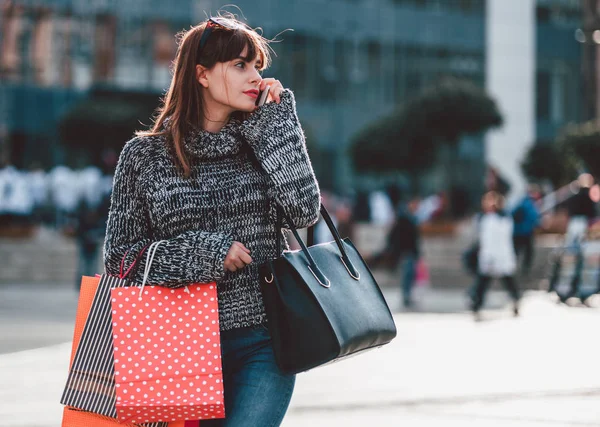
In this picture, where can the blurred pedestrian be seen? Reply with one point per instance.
(526, 219)
(496, 256)
(206, 181)
(402, 250)
(430, 207)
(64, 195)
(581, 210)
(38, 187)
(16, 200)
(381, 208)
(90, 228)
(494, 181)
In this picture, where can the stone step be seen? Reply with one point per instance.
(50, 257)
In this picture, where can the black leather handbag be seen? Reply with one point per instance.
(322, 302)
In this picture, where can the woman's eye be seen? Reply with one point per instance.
(240, 64)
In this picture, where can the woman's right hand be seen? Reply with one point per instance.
(238, 257)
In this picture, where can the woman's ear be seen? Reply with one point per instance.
(201, 75)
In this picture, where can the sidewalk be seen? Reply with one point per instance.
(539, 369)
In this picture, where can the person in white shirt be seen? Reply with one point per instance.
(382, 210)
(496, 258)
(64, 193)
(16, 201)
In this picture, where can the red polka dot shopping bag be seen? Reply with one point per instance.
(167, 352)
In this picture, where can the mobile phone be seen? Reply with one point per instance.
(262, 96)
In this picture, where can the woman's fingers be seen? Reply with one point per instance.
(245, 249)
(237, 257)
(276, 88)
(246, 259)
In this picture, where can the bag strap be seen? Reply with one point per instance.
(279, 225)
(352, 271)
(310, 235)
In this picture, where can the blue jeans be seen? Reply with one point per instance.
(409, 274)
(257, 393)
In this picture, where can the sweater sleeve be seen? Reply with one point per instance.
(274, 133)
(194, 256)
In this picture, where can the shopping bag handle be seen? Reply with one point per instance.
(149, 260)
(133, 264)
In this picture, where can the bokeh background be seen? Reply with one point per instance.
(432, 102)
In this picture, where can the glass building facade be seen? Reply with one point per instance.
(348, 62)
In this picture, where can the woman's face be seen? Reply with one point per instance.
(488, 204)
(233, 85)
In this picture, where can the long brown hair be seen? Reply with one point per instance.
(183, 103)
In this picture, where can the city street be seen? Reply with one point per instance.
(443, 368)
(443, 137)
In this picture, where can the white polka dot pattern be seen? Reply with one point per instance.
(167, 354)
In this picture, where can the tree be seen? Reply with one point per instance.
(546, 160)
(582, 141)
(407, 139)
(451, 109)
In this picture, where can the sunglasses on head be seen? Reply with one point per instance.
(211, 24)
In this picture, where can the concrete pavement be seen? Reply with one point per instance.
(443, 368)
(538, 369)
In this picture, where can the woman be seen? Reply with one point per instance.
(206, 178)
(496, 258)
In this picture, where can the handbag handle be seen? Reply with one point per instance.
(352, 271)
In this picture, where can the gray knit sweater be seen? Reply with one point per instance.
(229, 196)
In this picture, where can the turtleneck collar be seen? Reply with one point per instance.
(205, 145)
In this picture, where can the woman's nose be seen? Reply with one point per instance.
(256, 77)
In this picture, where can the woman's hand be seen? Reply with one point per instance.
(275, 91)
(238, 257)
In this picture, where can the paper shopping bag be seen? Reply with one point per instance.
(75, 418)
(87, 290)
(167, 353)
(422, 274)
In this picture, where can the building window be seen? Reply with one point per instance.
(61, 51)
(293, 63)
(565, 14)
(299, 63)
(465, 6)
(328, 71)
(542, 14)
(164, 48)
(558, 95)
(104, 55)
(134, 56)
(10, 55)
(374, 75)
(542, 107)
(83, 52)
(40, 47)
